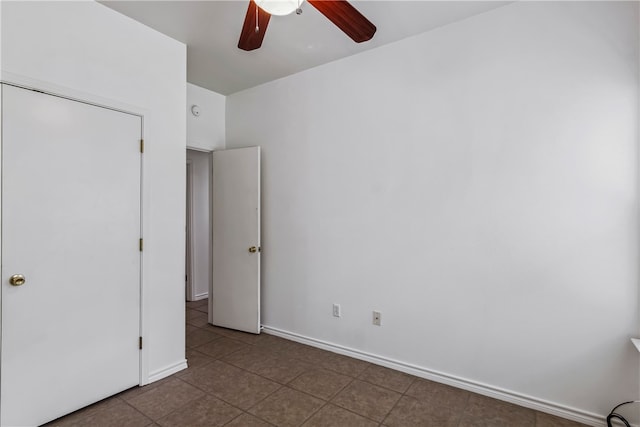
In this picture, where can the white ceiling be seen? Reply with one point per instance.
(292, 43)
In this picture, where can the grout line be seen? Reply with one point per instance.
(234, 418)
(277, 351)
(171, 412)
(296, 377)
(327, 368)
(263, 399)
(314, 413)
(251, 415)
(394, 405)
(352, 411)
(140, 412)
(325, 403)
(212, 395)
(340, 391)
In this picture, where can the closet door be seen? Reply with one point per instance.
(70, 255)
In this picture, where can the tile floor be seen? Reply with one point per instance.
(244, 380)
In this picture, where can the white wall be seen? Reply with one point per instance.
(86, 50)
(207, 131)
(201, 223)
(477, 184)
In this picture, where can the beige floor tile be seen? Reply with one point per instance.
(191, 313)
(310, 354)
(546, 420)
(344, 365)
(438, 394)
(221, 347)
(85, 412)
(410, 411)
(276, 344)
(199, 337)
(203, 412)
(244, 337)
(212, 376)
(233, 385)
(333, 416)
(287, 407)
(162, 400)
(116, 414)
(136, 391)
(270, 364)
(281, 369)
(388, 378)
(203, 308)
(199, 319)
(249, 357)
(366, 399)
(321, 383)
(248, 420)
(483, 411)
(195, 359)
(199, 303)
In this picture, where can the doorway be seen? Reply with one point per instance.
(223, 235)
(198, 230)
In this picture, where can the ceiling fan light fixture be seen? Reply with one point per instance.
(279, 7)
(340, 12)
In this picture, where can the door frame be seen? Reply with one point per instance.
(52, 89)
(190, 291)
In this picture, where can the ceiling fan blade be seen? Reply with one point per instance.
(251, 39)
(347, 18)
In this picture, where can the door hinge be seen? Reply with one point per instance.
(140, 343)
(140, 245)
(142, 145)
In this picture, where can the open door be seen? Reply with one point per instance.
(234, 297)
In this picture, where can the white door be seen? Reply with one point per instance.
(235, 290)
(70, 226)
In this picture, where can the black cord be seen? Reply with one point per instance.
(618, 416)
(613, 414)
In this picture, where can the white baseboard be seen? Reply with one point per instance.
(198, 297)
(167, 371)
(465, 384)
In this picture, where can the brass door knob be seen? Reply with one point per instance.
(254, 249)
(17, 280)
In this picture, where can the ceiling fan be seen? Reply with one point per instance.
(340, 12)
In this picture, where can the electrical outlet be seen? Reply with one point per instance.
(336, 310)
(377, 318)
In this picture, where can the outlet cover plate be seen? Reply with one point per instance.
(377, 318)
(336, 310)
